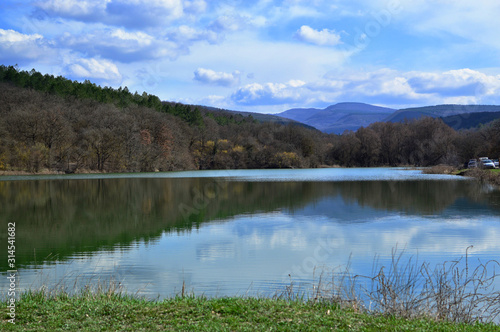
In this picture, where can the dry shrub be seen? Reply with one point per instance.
(440, 169)
(452, 291)
(485, 176)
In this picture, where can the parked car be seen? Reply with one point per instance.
(495, 161)
(472, 163)
(487, 164)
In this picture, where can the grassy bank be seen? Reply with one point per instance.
(115, 312)
(402, 296)
(491, 176)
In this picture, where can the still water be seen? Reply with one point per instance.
(244, 232)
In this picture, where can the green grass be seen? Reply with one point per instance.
(114, 312)
(404, 295)
(491, 176)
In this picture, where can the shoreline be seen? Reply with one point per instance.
(37, 310)
(86, 171)
(406, 295)
(489, 176)
(47, 172)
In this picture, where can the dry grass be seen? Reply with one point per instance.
(458, 292)
(485, 176)
(451, 291)
(440, 169)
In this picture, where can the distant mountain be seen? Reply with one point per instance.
(470, 120)
(339, 117)
(351, 116)
(438, 111)
(260, 117)
(299, 114)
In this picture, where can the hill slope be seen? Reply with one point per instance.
(470, 120)
(259, 117)
(438, 111)
(339, 117)
(53, 124)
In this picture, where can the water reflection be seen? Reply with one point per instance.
(220, 235)
(59, 218)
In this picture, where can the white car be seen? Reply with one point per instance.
(486, 163)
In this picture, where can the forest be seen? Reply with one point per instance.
(54, 124)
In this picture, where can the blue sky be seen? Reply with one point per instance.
(265, 56)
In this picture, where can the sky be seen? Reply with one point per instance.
(265, 56)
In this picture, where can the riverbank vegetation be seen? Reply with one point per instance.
(489, 176)
(452, 296)
(52, 124)
(122, 313)
(484, 176)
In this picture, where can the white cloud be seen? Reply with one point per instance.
(382, 87)
(195, 7)
(268, 60)
(455, 86)
(327, 85)
(125, 13)
(142, 39)
(173, 8)
(296, 83)
(461, 82)
(268, 94)
(381, 82)
(185, 35)
(209, 76)
(15, 46)
(228, 23)
(324, 37)
(297, 11)
(95, 69)
(123, 46)
(254, 37)
(235, 21)
(291, 10)
(215, 100)
(74, 8)
(11, 37)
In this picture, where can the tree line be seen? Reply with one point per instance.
(39, 130)
(120, 97)
(423, 142)
(61, 125)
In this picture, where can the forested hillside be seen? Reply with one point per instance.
(440, 111)
(470, 120)
(55, 124)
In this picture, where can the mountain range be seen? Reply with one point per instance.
(339, 117)
(260, 117)
(351, 116)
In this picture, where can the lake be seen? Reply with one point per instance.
(241, 232)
